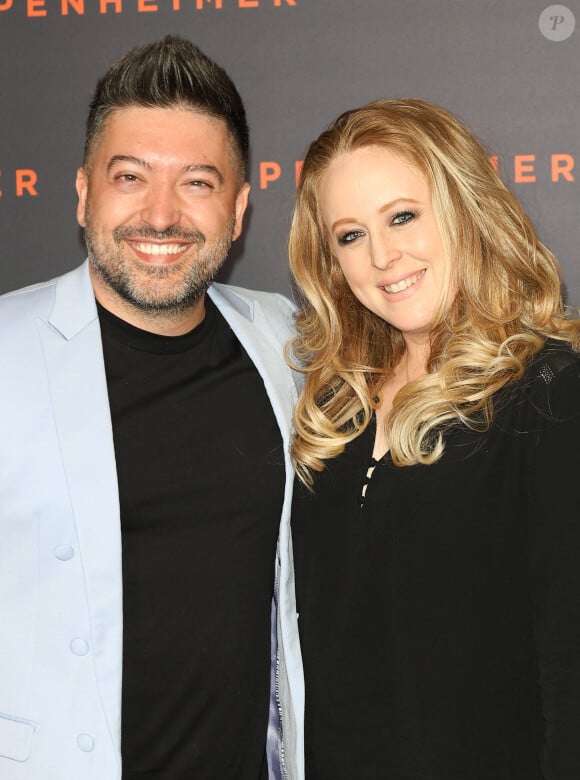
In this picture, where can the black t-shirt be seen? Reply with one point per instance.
(201, 480)
(440, 616)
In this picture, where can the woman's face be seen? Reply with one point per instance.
(379, 216)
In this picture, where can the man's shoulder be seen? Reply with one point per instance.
(36, 299)
(30, 295)
(255, 315)
(26, 305)
(271, 302)
(20, 310)
(64, 302)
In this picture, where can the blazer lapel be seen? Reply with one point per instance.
(72, 347)
(265, 348)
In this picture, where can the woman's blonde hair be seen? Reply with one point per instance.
(507, 301)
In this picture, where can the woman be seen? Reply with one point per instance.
(436, 533)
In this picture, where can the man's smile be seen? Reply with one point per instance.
(158, 249)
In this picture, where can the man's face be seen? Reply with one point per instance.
(161, 202)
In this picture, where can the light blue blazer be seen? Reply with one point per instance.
(61, 622)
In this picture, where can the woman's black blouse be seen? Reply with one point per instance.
(440, 616)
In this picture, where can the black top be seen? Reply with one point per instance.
(201, 482)
(440, 619)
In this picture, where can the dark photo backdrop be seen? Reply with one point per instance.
(508, 68)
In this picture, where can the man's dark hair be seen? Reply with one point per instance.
(172, 72)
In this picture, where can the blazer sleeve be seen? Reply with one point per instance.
(554, 545)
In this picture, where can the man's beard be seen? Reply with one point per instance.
(157, 289)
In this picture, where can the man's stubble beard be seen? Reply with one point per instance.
(149, 288)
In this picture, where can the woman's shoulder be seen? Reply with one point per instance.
(552, 380)
(553, 359)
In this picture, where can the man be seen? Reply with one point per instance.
(144, 465)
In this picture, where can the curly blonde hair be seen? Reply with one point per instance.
(507, 302)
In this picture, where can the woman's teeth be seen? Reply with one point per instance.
(404, 284)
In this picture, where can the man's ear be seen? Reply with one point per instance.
(82, 186)
(240, 209)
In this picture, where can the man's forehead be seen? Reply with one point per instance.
(127, 121)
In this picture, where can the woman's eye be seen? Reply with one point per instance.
(349, 237)
(403, 217)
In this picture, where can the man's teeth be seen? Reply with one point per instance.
(160, 249)
(404, 283)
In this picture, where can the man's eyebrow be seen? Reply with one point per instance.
(128, 158)
(202, 168)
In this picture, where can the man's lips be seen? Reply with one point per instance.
(404, 284)
(161, 247)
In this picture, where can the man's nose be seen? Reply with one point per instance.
(161, 209)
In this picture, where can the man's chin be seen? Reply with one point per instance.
(150, 298)
(162, 290)
(166, 306)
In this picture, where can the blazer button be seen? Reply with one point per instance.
(64, 552)
(79, 646)
(85, 742)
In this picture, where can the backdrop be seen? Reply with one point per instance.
(508, 68)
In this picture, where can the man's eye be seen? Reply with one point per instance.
(403, 217)
(349, 237)
(127, 177)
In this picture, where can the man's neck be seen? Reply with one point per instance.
(170, 323)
